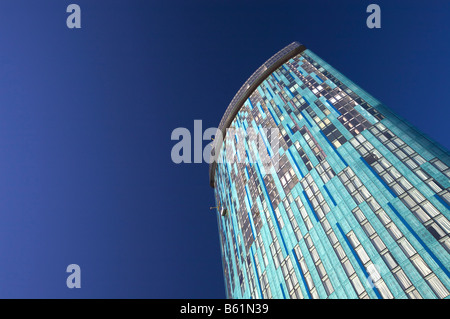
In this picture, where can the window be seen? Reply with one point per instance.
(402, 279)
(406, 247)
(437, 286)
(389, 260)
(421, 266)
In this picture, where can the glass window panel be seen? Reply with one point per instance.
(389, 260)
(395, 174)
(406, 247)
(436, 231)
(408, 201)
(430, 209)
(434, 186)
(362, 254)
(368, 229)
(359, 215)
(358, 198)
(384, 290)
(419, 159)
(405, 184)
(394, 231)
(340, 252)
(387, 178)
(444, 223)
(422, 174)
(402, 279)
(441, 166)
(438, 288)
(421, 215)
(421, 266)
(411, 164)
(349, 270)
(332, 237)
(373, 204)
(414, 294)
(383, 217)
(416, 195)
(353, 239)
(328, 287)
(357, 285)
(378, 243)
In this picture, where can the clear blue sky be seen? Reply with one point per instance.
(86, 117)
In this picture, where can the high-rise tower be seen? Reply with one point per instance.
(350, 202)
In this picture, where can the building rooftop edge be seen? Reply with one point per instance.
(247, 89)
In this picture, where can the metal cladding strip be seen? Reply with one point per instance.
(247, 89)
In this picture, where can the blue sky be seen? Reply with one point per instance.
(86, 117)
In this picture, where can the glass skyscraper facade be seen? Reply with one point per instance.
(353, 202)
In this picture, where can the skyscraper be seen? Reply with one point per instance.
(349, 202)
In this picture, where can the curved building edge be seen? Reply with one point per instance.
(277, 60)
